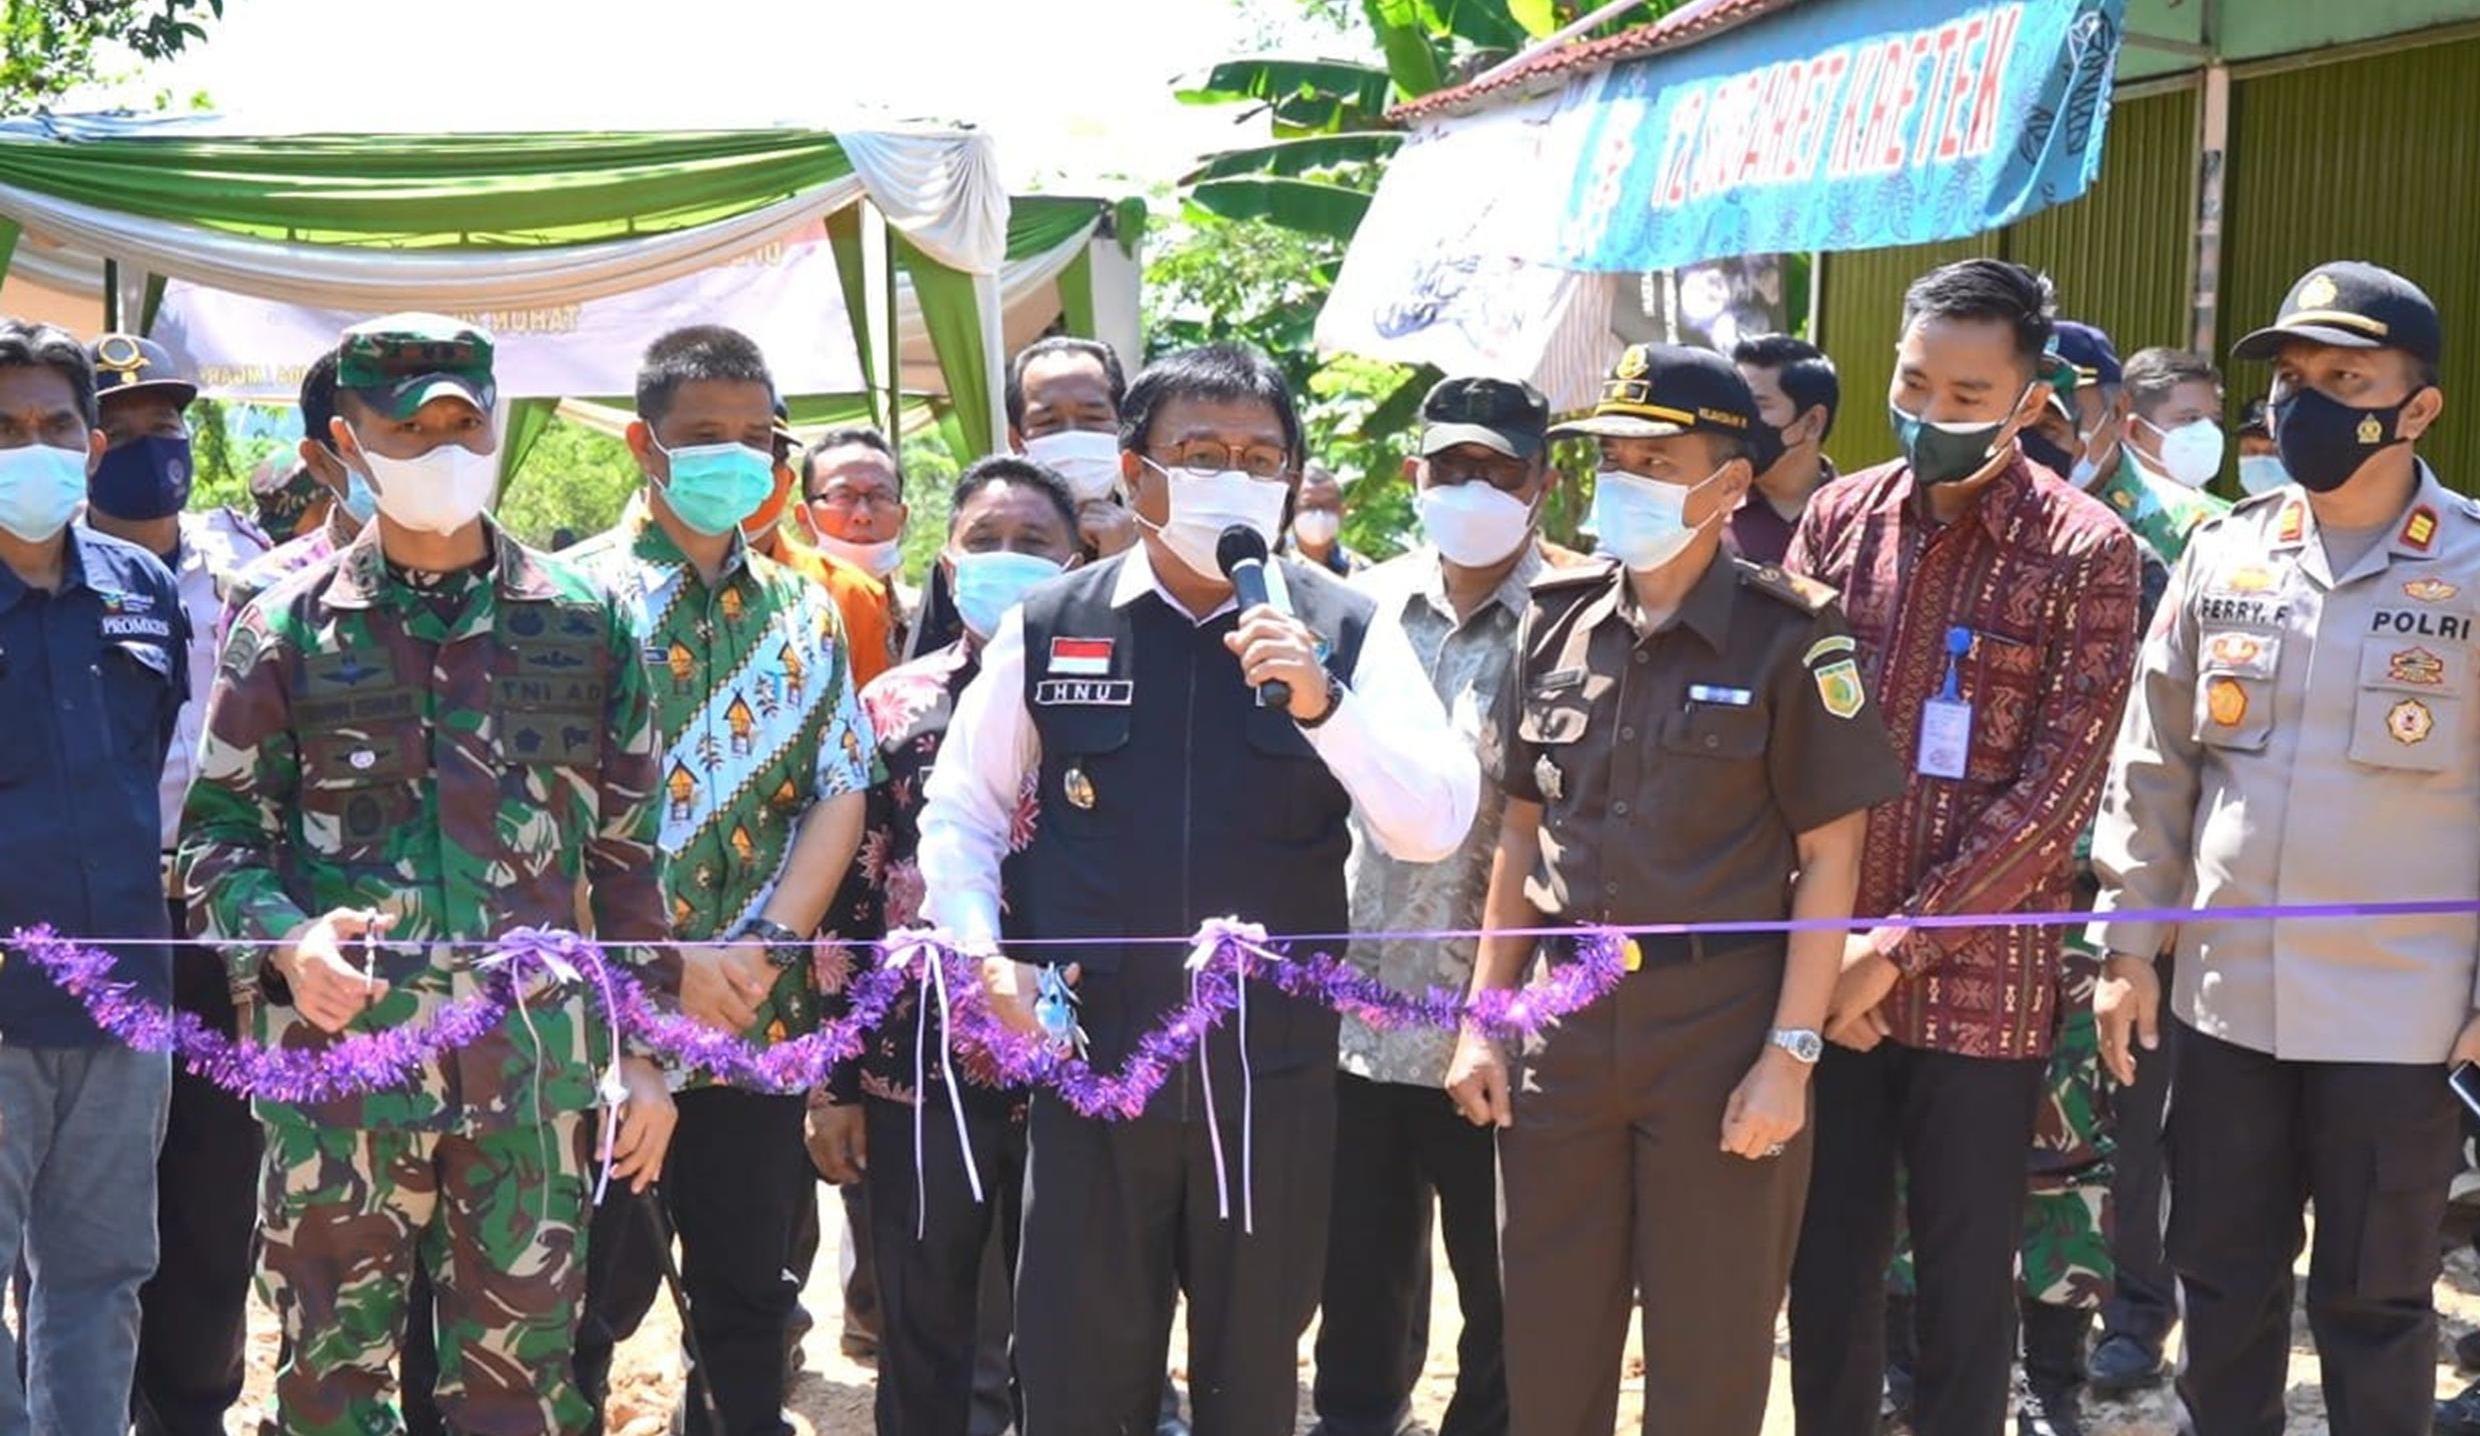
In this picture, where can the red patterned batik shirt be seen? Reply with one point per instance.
(2039, 583)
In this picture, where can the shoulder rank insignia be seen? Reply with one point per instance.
(2420, 530)
(1798, 590)
(2292, 526)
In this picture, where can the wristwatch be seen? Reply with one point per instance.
(1804, 1045)
(784, 947)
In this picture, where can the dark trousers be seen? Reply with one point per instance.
(2253, 1140)
(732, 1183)
(2146, 1299)
(1619, 1197)
(1960, 1127)
(1399, 1151)
(192, 1313)
(1121, 1218)
(928, 1240)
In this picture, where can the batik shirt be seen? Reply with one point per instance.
(459, 752)
(754, 698)
(1467, 662)
(908, 708)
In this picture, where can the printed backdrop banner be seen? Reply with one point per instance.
(1837, 124)
(785, 295)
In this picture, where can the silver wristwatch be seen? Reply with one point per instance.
(1804, 1045)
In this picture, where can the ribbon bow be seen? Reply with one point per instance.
(1240, 941)
(566, 959)
(923, 951)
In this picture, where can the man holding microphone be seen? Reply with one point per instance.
(1120, 696)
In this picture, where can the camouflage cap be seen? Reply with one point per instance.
(399, 362)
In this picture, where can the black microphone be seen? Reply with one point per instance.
(1241, 554)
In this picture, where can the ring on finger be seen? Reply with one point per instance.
(1774, 1150)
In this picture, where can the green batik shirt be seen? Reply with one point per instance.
(754, 697)
(463, 752)
(2160, 511)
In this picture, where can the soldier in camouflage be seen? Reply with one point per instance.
(432, 739)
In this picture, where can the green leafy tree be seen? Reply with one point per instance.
(574, 478)
(51, 47)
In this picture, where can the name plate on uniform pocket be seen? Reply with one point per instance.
(1078, 692)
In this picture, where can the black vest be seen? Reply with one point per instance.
(1168, 796)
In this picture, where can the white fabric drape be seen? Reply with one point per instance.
(940, 189)
(378, 281)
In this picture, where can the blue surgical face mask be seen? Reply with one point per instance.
(989, 584)
(2262, 473)
(358, 499)
(40, 489)
(714, 486)
(1642, 522)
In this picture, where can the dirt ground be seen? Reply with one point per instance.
(832, 1394)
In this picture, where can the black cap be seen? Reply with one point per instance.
(1507, 415)
(2354, 304)
(2252, 419)
(126, 362)
(1657, 390)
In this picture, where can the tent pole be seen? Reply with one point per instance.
(895, 344)
(111, 296)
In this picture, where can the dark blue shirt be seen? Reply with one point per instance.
(91, 685)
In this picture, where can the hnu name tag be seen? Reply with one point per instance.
(1077, 692)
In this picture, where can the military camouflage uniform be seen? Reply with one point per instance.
(461, 753)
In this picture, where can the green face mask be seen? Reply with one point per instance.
(1943, 453)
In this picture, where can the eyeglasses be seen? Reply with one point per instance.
(1256, 461)
(847, 500)
(1507, 475)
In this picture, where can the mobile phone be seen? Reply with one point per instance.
(2465, 1082)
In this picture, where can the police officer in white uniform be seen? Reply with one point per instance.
(2305, 729)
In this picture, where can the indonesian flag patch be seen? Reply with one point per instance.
(1081, 657)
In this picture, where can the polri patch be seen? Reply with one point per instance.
(1075, 692)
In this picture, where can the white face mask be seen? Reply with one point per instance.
(1317, 526)
(1087, 459)
(440, 492)
(875, 559)
(40, 489)
(1643, 522)
(1204, 502)
(2262, 473)
(2190, 453)
(1473, 524)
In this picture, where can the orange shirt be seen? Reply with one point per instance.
(861, 599)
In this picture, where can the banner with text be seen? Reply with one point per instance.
(1826, 127)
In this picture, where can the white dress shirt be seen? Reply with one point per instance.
(1413, 783)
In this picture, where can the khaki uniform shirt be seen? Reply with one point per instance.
(1676, 767)
(2301, 736)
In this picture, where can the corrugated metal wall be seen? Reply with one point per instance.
(2373, 159)
(2119, 256)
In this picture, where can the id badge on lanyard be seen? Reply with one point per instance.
(1946, 720)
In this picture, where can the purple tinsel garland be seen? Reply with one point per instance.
(371, 1061)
